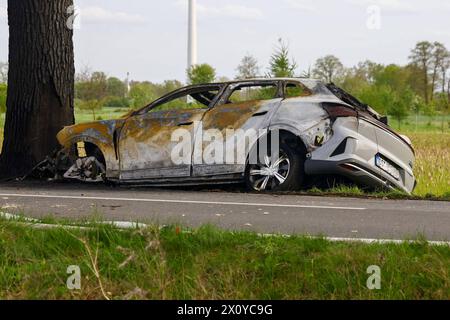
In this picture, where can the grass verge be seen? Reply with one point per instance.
(356, 192)
(211, 264)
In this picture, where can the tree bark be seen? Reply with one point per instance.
(444, 78)
(40, 82)
(433, 82)
(425, 81)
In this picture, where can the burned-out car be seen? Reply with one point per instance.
(208, 133)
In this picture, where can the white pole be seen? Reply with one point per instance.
(192, 41)
(127, 83)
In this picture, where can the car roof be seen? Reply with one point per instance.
(257, 80)
(309, 83)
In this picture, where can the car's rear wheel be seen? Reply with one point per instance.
(281, 172)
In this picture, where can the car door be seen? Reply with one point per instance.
(148, 139)
(232, 126)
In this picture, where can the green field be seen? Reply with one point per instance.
(432, 147)
(423, 124)
(211, 264)
(82, 116)
(432, 170)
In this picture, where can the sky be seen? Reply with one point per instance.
(148, 38)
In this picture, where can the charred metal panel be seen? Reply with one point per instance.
(246, 120)
(146, 144)
(98, 133)
(305, 118)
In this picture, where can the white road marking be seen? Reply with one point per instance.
(180, 201)
(385, 241)
(9, 216)
(363, 240)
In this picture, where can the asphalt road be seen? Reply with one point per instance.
(285, 214)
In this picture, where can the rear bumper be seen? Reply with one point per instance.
(360, 173)
(351, 153)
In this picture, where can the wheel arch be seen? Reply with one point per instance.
(291, 136)
(83, 146)
(294, 141)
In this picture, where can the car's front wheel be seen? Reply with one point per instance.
(281, 172)
(90, 168)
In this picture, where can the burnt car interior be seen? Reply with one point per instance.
(253, 92)
(194, 98)
(294, 90)
(204, 97)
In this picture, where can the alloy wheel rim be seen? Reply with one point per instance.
(271, 173)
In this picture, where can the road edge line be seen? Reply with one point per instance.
(126, 225)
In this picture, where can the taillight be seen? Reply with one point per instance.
(339, 111)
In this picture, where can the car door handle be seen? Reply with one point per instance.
(182, 124)
(259, 114)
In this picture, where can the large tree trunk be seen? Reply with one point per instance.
(40, 82)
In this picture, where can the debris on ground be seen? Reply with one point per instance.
(86, 169)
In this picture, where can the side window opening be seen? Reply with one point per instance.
(246, 93)
(294, 90)
(195, 99)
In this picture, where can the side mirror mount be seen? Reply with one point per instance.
(385, 120)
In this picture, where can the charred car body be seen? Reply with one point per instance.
(323, 131)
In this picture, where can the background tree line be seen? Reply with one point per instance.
(420, 87)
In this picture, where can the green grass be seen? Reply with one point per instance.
(423, 123)
(211, 264)
(355, 191)
(432, 168)
(82, 116)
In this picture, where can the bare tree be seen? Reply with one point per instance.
(448, 87)
(328, 68)
(248, 68)
(40, 82)
(422, 56)
(444, 68)
(84, 74)
(307, 74)
(440, 54)
(366, 70)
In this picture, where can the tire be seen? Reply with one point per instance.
(100, 164)
(88, 169)
(288, 176)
